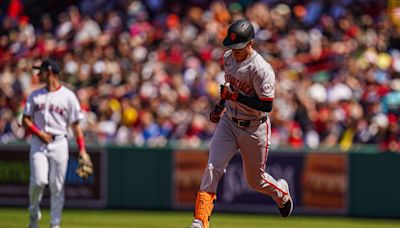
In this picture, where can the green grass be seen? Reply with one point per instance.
(18, 217)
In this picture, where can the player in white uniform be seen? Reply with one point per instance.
(249, 93)
(48, 113)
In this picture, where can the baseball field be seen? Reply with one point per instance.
(18, 217)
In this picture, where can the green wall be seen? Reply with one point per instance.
(139, 178)
(142, 178)
(374, 185)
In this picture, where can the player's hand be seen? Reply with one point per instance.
(227, 94)
(83, 151)
(45, 137)
(215, 115)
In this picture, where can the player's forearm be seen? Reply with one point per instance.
(76, 128)
(29, 125)
(80, 140)
(255, 102)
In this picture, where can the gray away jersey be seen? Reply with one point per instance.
(53, 111)
(253, 77)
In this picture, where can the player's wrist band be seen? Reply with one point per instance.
(81, 143)
(34, 129)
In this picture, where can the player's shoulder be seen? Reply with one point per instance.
(66, 89)
(38, 91)
(260, 60)
(227, 54)
(261, 68)
(260, 64)
(68, 92)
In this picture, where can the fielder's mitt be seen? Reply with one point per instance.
(85, 166)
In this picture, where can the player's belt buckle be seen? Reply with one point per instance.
(56, 137)
(246, 123)
(242, 123)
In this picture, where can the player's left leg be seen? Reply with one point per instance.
(58, 158)
(223, 147)
(39, 168)
(253, 145)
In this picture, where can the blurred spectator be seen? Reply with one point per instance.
(148, 73)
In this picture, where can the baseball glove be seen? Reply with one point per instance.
(85, 166)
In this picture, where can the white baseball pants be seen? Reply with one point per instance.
(48, 165)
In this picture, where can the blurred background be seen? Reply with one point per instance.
(147, 74)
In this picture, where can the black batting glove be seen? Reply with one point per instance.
(215, 115)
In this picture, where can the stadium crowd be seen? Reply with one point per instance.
(147, 74)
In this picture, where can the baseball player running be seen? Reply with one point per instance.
(249, 93)
(47, 114)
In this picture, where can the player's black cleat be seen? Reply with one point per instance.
(287, 208)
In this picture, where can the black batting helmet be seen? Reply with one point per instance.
(240, 33)
(49, 64)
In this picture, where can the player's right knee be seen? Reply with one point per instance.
(39, 182)
(56, 187)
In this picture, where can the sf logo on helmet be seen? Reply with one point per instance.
(233, 36)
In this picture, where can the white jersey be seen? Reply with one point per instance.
(253, 77)
(53, 111)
